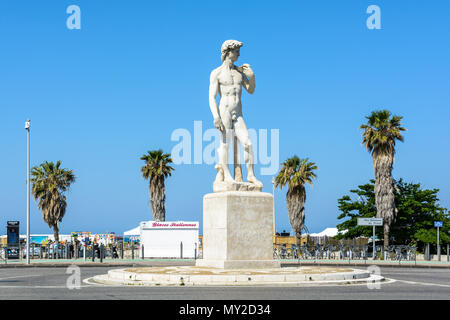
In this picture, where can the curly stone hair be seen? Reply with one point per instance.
(229, 45)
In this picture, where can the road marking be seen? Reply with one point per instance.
(425, 283)
(28, 276)
(31, 287)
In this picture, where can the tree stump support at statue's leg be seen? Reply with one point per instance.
(237, 160)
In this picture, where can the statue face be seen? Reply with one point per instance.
(234, 54)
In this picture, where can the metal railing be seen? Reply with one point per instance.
(344, 252)
(127, 251)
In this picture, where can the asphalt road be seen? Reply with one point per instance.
(51, 283)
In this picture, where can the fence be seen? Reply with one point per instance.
(127, 251)
(347, 251)
(340, 250)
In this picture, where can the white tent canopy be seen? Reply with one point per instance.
(133, 232)
(329, 232)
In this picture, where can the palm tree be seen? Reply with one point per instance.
(296, 173)
(50, 181)
(156, 169)
(379, 137)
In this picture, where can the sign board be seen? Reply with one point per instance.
(13, 240)
(370, 221)
(172, 225)
(132, 238)
(169, 239)
(39, 239)
(438, 224)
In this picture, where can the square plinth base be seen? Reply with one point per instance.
(238, 230)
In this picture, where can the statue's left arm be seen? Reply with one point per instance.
(248, 79)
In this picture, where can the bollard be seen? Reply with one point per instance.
(427, 252)
(439, 252)
(195, 251)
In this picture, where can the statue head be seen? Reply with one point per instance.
(231, 46)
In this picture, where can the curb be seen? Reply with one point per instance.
(107, 280)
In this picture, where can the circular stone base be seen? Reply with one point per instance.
(206, 276)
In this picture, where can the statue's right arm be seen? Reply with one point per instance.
(213, 90)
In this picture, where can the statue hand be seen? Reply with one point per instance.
(245, 68)
(218, 124)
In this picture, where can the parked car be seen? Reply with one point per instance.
(34, 252)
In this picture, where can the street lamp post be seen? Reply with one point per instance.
(27, 127)
(273, 210)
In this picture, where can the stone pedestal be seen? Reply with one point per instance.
(222, 186)
(238, 230)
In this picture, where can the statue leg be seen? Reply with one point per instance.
(244, 138)
(225, 138)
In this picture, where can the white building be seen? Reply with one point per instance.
(169, 239)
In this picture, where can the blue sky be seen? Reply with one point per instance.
(100, 97)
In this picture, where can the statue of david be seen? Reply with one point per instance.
(227, 81)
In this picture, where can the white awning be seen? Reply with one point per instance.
(329, 232)
(133, 232)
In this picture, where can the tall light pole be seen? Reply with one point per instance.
(273, 209)
(27, 127)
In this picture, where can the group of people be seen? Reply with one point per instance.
(113, 247)
(56, 251)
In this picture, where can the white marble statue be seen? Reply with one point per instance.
(227, 81)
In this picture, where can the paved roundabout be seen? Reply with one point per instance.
(206, 276)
